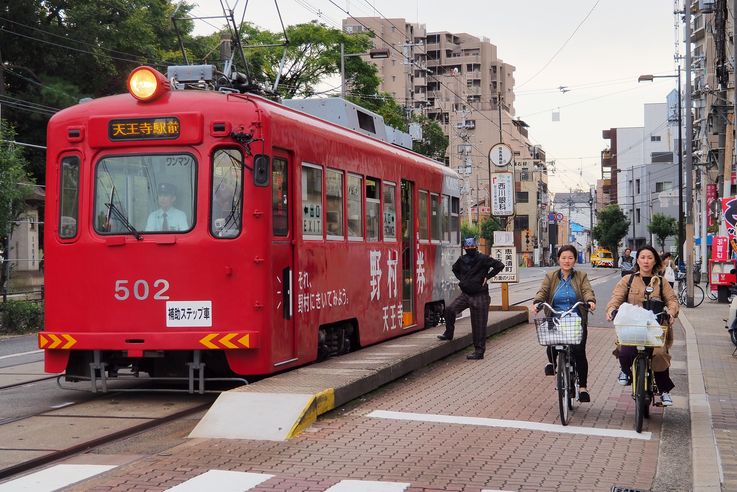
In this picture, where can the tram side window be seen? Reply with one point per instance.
(422, 215)
(334, 203)
(311, 201)
(435, 221)
(372, 209)
(279, 197)
(446, 218)
(69, 197)
(355, 215)
(227, 190)
(390, 211)
(455, 224)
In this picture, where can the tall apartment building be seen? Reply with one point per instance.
(459, 81)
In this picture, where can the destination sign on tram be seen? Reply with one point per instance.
(164, 128)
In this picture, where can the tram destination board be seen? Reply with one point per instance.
(161, 128)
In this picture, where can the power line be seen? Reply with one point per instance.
(562, 46)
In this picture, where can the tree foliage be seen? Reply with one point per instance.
(611, 226)
(663, 227)
(15, 184)
(434, 141)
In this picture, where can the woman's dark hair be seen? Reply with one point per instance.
(658, 262)
(666, 256)
(568, 247)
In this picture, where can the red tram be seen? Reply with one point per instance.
(207, 233)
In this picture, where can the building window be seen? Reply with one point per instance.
(521, 222)
(523, 197)
(637, 215)
(637, 186)
(663, 186)
(655, 138)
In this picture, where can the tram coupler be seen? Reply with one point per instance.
(95, 366)
(199, 366)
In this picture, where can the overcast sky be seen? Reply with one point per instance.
(596, 48)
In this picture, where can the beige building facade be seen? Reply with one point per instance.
(459, 81)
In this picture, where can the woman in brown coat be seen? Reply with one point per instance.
(562, 288)
(631, 289)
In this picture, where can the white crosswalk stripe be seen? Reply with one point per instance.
(367, 486)
(222, 481)
(54, 478)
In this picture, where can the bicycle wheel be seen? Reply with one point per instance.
(681, 294)
(698, 295)
(564, 389)
(711, 293)
(639, 373)
(572, 394)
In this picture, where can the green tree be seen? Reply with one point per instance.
(663, 227)
(611, 226)
(488, 226)
(15, 187)
(470, 230)
(434, 142)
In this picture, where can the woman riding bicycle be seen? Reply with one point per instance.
(631, 289)
(562, 288)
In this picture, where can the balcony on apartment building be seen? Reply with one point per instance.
(698, 27)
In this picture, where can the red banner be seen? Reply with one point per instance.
(711, 195)
(720, 248)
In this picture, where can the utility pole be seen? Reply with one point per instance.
(634, 241)
(689, 159)
(591, 224)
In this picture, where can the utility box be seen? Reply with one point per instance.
(707, 6)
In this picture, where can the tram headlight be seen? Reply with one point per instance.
(146, 84)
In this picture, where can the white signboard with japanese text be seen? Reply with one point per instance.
(188, 313)
(502, 194)
(503, 238)
(508, 256)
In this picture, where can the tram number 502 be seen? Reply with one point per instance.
(141, 290)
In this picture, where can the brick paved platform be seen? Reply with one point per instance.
(420, 455)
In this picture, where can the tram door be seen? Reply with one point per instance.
(282, 264)
(408, 254)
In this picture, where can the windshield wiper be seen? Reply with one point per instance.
(123, 219)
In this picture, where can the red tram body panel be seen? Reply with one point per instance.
(289, 237)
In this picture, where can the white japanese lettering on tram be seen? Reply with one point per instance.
(421, 271)
(375, 257)
(314, 301)
(391, 278)
(393, 316)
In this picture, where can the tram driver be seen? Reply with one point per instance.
(167, 217)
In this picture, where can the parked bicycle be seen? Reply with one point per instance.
(562, 331)
(698, 292)
(645, 337)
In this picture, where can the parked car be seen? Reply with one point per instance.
(602, 258)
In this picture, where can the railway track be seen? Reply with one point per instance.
(33, 440)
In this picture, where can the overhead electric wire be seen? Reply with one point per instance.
(562, 46)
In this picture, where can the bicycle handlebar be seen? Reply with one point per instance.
(563, 314)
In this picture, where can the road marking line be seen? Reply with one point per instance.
(514, 424)
(222, 481)
(54, 478)
(367, 486)
(20, 354)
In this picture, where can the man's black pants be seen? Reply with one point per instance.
(479, 306)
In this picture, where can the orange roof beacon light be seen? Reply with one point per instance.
(147, 84)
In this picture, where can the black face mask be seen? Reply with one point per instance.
(472, 252)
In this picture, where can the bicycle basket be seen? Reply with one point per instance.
(641, 335)
(559, 331)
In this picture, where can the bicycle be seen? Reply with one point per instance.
(698, 292)
(645, 337)
(562, 331)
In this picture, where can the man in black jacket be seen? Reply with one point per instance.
(473, 269)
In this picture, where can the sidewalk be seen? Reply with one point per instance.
(713, 397)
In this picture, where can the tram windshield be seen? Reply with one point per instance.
(135, 194)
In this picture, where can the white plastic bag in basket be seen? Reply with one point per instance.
(629, 314)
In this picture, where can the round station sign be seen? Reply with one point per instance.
(500, 155)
